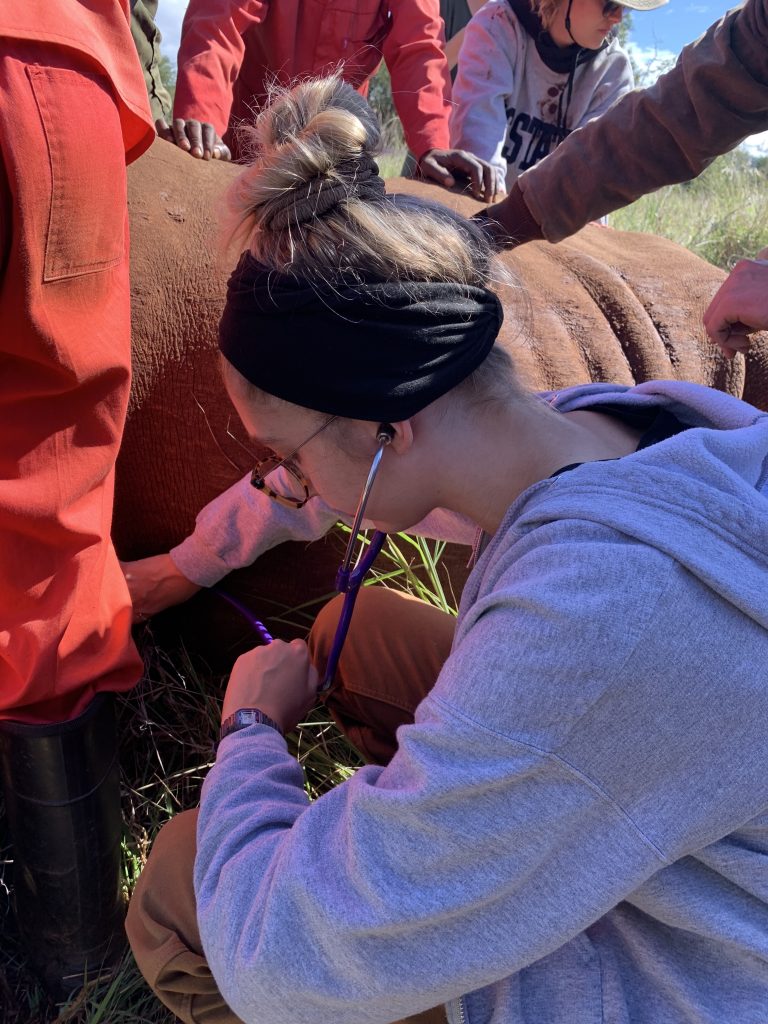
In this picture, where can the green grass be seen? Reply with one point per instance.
(722, 215)
(391, 163)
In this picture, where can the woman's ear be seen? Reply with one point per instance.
(402, 439)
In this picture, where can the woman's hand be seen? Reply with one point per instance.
(154, 584)
(278, 679)
(740, 306)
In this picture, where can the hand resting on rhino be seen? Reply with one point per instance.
(241, 524)
(740, 306)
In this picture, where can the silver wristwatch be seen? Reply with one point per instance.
(244, 717)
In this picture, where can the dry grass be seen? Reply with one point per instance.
(168, 727)
(722, 216)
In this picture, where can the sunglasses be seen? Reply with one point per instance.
(610, 9)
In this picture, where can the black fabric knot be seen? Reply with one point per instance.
(356, 178)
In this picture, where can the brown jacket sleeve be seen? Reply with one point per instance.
(714, 98)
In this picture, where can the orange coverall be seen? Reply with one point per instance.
(231, 50)
(73, 110)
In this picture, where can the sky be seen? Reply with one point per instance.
(656, 36)
(677, 23)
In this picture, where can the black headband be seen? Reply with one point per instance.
(380, 351)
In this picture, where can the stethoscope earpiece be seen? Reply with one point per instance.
(385, 434)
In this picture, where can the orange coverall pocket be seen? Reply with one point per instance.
(86, 227)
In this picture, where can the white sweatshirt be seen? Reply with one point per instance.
(506, 99)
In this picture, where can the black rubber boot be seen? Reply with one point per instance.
(62, 798)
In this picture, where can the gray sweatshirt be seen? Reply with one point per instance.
(575, 828)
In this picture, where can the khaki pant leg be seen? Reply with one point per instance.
(434, 1016)
(162, 928)
(392, 656)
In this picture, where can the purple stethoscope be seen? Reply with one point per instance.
(349, 577)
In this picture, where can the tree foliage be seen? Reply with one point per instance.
(167, 71)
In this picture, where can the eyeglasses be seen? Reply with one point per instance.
(300, 492)
(610, 9)
(349, 578)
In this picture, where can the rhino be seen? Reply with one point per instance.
(605, 305)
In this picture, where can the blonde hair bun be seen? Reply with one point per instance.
(311, 201)
(310, 150)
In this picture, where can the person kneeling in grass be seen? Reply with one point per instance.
(563, 818)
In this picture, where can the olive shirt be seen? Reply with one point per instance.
(147, 39)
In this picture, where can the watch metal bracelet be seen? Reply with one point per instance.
(244, 717)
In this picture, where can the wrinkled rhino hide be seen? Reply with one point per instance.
(604, 305)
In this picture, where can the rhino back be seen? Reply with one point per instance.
(604, 305)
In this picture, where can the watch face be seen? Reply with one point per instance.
(244, 717)
(247, 716)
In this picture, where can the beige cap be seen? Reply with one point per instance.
(642, 5)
